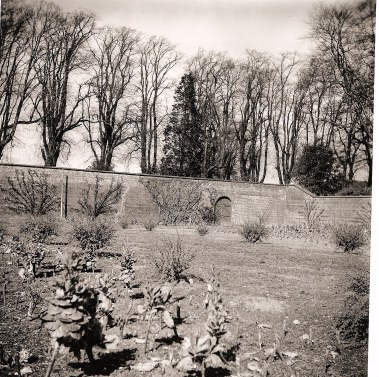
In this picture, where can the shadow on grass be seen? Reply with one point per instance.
(106, 364)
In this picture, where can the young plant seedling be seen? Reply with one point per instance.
(157, 300)
(207, 349)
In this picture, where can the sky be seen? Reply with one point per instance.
(222, 25)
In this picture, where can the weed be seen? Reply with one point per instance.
(349, 237)
(171, 259)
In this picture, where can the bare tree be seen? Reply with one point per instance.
(112, 116)
(58, 100)
(19, 49)
(216, 78)
(157, 59)
(287, 115)
(251, 126)
(345, 35)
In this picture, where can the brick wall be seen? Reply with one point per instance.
(282, 204)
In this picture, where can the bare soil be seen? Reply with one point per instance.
(274, 283)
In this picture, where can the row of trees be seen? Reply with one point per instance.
(243, 111)
(230, 118)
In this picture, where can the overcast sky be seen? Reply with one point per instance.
(222, 25)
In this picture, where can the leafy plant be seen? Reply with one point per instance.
(207, 349)
(30, 193)
(38, 229)
(79, 314)
(254, 231)
(157, 300)
(311, 214)
(150, 224)
(202, 229)
(171, 259)
(27, 254)
(98, 200)
(127, 268)
(349, 237)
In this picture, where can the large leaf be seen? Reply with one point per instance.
(168, 320)
(186, 364)
(214, 361)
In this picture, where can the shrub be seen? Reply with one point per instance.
(202, 229)
(30, 193)
(150, 224)
(208, 215)
(92, 234)
(38, 229)
(179, 202)
(349, 237)
(171, 259)
(355, 188)
(354, 321)
(311, 214)
(99, 200)
(254, 231)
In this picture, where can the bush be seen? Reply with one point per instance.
(254, 231)
(92, 234)
(150, 224)
(349, 237)
(355, 188)
(311, 214)
(38, 229)
(171, 259)
(354, 321)
(208, 215)
(99, 200)
(202, 229)
(30, 193)
(179, 202)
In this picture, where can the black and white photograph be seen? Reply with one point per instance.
(187, 188)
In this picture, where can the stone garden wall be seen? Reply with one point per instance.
(283, 204)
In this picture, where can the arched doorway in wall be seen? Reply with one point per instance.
(223, 210)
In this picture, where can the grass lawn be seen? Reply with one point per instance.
(287, 286)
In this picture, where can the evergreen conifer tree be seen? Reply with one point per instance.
(183, 136)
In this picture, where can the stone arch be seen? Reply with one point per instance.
(223, 210)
